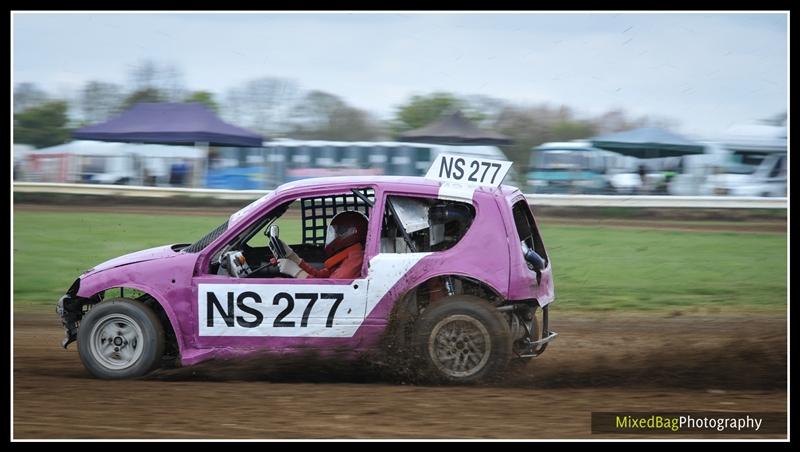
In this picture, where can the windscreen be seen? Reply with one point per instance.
(561, 160)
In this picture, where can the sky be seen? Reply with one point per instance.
(705, 72)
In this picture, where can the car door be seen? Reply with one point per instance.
(281, 312)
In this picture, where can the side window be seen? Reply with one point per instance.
(526, 228)
(412, 224)
(303, 223)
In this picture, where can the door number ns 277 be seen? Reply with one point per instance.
(257, 317)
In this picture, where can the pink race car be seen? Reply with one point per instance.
(454, 271)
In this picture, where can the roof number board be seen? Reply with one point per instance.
(465, 169)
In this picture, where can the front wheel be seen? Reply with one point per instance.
(462, 339)
(120, 338)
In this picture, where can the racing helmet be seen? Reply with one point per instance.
(345, 229)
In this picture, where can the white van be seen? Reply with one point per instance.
(767, 179)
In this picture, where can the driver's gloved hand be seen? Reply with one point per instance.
(289, 267)
(290, 254)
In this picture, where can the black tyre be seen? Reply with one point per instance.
(462, 339)
(120, 338)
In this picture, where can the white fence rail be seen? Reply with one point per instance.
(703, 202)
(134, 191)
(715, 202)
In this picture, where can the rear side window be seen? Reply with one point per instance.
(526, 228)
(422, 225)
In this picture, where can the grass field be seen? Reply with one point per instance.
(595, 268)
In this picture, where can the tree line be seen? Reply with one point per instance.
(279, 107)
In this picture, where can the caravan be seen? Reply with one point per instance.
(736, 179)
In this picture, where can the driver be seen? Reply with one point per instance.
(344, 246)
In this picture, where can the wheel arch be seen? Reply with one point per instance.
(407, 308)
(468, 283)
(151, 297)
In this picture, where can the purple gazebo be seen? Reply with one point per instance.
(170, 123)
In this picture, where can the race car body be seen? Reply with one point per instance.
(457, 267)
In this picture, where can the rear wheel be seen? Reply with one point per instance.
(120, 338)
(462, 339)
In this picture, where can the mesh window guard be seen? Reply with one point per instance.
(199, 245)
(317, 212)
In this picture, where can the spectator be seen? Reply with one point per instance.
(643, 177)
(177, 174)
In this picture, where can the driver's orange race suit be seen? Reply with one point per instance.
(346, 264)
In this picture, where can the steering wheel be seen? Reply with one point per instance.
(271, 267)
(278, 252)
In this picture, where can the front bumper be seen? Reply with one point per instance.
(70, 310)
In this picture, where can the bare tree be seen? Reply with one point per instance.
(324, 116)
(531, 125)
(261, 104)
(163, 78)
(617, 120)
(172, 82)
(99, 101)
(484, 110)
(143, 75)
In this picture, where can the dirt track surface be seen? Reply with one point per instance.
(599, 363)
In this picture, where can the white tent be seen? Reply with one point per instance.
(21, 151)
(106, 162)
(102, 148)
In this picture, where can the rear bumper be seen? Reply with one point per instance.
(536, 344)
(550, 335)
